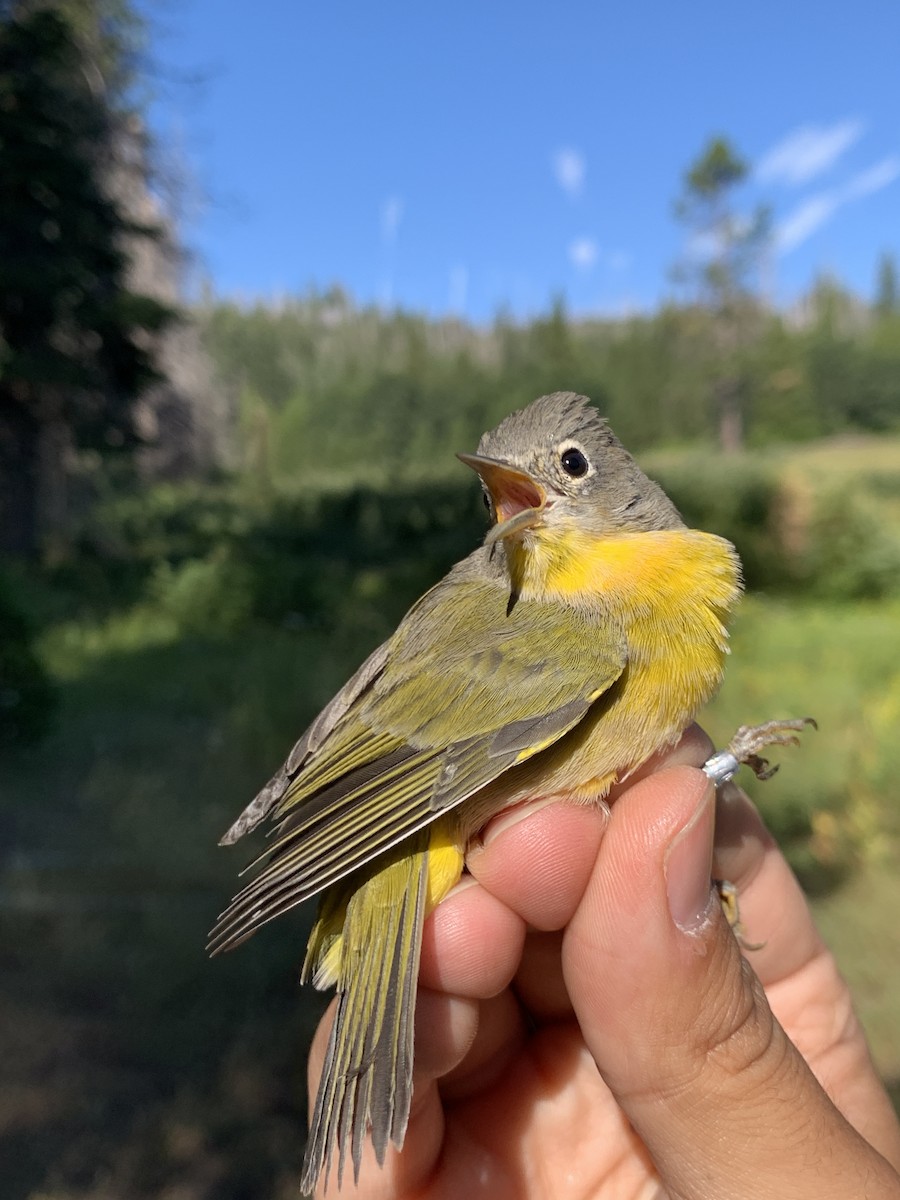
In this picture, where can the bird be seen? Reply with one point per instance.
(581, 637)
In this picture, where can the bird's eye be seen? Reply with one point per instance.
(573, 462)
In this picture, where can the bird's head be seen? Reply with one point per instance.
(557, 464)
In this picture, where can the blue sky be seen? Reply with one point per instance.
(466, 156)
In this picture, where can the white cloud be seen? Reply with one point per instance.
(391, 216)
(875, 178)
(808, 151)
(583, 253)
(570, 168)
(805, 219)
(815, 212)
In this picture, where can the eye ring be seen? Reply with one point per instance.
(574, 462)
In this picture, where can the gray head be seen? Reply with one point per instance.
(558, 461)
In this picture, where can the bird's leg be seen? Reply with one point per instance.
(747, 742)
(721, 767)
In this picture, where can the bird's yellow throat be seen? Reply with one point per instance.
(636, 572)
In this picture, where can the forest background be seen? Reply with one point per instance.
(209, 514)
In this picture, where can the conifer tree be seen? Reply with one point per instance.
(75, 341)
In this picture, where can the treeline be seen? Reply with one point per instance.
(319, 387)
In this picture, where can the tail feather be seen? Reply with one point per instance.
(367, 1078)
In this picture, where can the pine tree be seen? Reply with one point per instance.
(887, 288)
(725, 253)
(74, 340)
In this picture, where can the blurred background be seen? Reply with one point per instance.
(262, 271)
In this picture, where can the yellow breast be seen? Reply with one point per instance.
(671, 591)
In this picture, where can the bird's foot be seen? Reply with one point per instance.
(728, 898)
(744, 748)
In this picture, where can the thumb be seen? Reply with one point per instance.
(677, 1022)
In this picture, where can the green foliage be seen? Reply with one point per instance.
(213, 558)
(206, 561)
(111, 879)
(62, 262)
(831, 807)
(717, 169)
(125, 537)
(887, 290)
(74, 339)
(855, 384)
(726, 244)
(368, 397)
(27, 697)
(852, 553)
(207, 596)
(722, 260)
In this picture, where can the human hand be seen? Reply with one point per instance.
(588, 1028)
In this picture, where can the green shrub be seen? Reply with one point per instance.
(852, 553)
(210, 596)
(173, 521)
(361, 555)
(27, 698)
(213, 557)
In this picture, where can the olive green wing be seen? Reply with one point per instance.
(469, 686)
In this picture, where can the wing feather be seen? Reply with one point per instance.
(272, 793)
(465, 689)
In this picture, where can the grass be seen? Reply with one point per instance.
(123, 1043)
(831, 805)
(859, 923)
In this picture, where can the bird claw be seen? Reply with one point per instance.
(728, 898)
(749, 739)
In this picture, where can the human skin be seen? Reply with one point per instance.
(589, 1028)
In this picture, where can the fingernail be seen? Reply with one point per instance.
(688, 867)
(462, 885)
(513, 816)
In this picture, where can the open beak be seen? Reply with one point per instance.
(519, 500)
